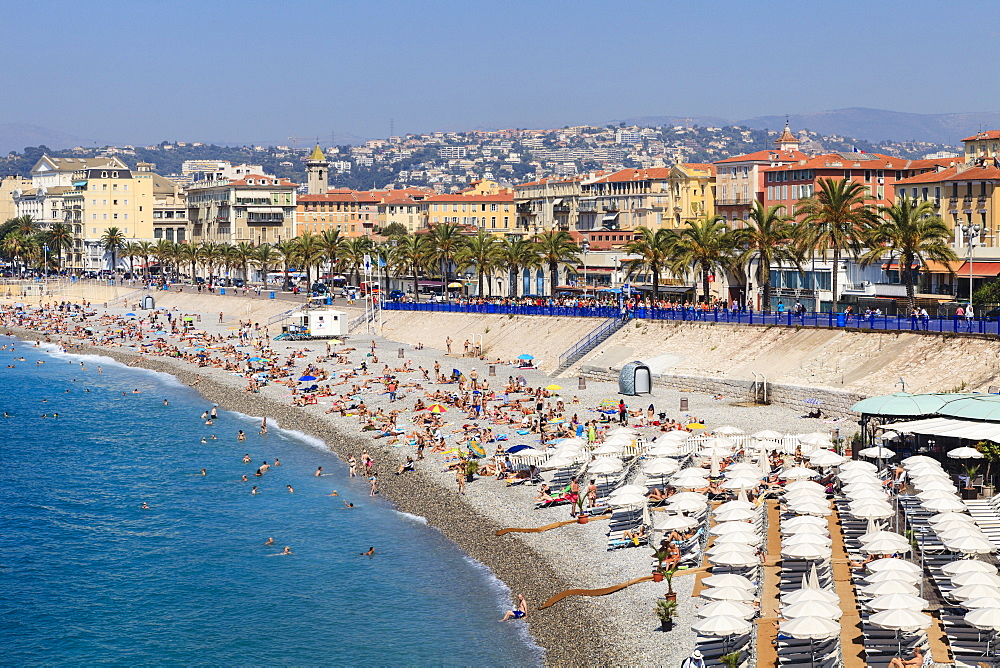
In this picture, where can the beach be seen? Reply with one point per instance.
(617, 629)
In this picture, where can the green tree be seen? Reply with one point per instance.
(447, 240)
(25, 225)
(835, 219)
(769, 239)
(910, 231)
(266, 257)
(130, 251)
(554, 248)
(655, 249)
(17, 247)
(353, 253)
(393, 229)
(243, 254)
(146, 250)
(289, 249)
(480, 252)
(333, 246)
(311, 253)
(704, 246)
(113, 241)
(517, 255)
(189, 254)
(166, 253)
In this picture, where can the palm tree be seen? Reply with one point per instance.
(912, 232)
(654, 248)
(768, 240)
(332, 245)
(130, 251)
(411, 254)
(25, 225)
(113, 241)
(266, 258)
(555, 247)
(479, 251)
(447, 240)
(165, 252)
(16, 247)
(188, 253)
(353, 253)
(145, 249)
(242, 253)
(836, 218)
(310, 254)
(704, 245)
(59, 237)
(517, 255)
(289, 249)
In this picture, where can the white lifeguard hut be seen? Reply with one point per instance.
(318, 324)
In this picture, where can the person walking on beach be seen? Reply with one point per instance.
(374, 483)
(447, 343)
(220, 317)
(352, 464)
(460, 479)
(622, 412)
(520, 612)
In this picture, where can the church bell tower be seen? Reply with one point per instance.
(317, 172)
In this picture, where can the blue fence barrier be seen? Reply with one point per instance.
(897, 323)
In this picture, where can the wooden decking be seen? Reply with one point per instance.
(852, 641)
(767, 624)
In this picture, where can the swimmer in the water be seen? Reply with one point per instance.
(270, 541)
(144, 506)
(215, 412)
(290, 490)
(334, 493)
(204, 471)
(348, 504)
(319, 472)
(208, 422)
(214, 437)
(369, 553)
(165, 403)
(276, 462)
(244, 478)
(136, 391)
(241, 436)
(254, 490)
(204, 440)
(55, 415)
(246, 458)
(204, 416)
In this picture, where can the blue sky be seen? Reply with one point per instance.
(211, 70)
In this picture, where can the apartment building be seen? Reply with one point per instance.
(983, 146)
(549, 204)
(739, 181)
(51, 179)
(256, 209)
(692, 193)
(786, 184)
(353, 212)
(495, 212)
(625, 200)
(9, 185)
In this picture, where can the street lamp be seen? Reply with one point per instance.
(970, 232)
(585, 248)
(45, 260)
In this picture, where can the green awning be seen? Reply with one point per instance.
(978, 407)
(904, 404)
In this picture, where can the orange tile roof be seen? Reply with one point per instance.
(271, 181)
(927, 177)
(766, 156)
(862, 161)
(991, 134)
(623, 175)
(704, 167)
(976, 174)
(507, 196)
(931, 163)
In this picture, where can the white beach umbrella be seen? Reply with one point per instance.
(923, 470)
(768, 435)
(609, 449)
(890, 564)
(888, 587)
(728, 593)
(734, 560)
(734, 514)
(718, 442)
(660, 466)
(815, 438)
(729, 580)
(870, 511)
(812, 609)
(811, 494)
(745, 538)
(798, 473)
(812, 529)
(663, 450)
(943, 505)
(722, 548)
(806, 539)
(886, 546)
(877, 452)
(984, 602)
(695, 473)
(967, 566)
(721, 626)
(809, 508)
(976, 578)
(975, 591)
(627, 500)
(876, 535)
(557, 463)
(867, 493)
(740, 483)
(809, 628)
(901, 576)
(793, 522)
(934, 520)
(934, 485)
(807, 552)
(726, 609)
(675, 435)
(678, 522)
(605, 466)
(901, 620)
(932, 494)
(898, 602)
(965, 453)
(827, 458)
(970, 544)
(686, 506)
(628, 489)
(987, 619)
(913, 459)
(714, 452)
(806, 595)
(742, 467)
(727, 430)
(735, 504)
(806, 485)
(949, 535)
(858, 465)
(722, 528)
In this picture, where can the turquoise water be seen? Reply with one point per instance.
(88, 576)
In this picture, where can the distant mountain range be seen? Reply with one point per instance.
(16, 136)
(870, 124)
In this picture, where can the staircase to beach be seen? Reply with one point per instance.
(593, 339)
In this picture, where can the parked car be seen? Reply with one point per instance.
(319, 288)
(991, 315)
(396, 295)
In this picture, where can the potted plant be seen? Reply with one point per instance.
(668, 575)
(969, 492)
(581, 514)
(666, 610)
(731, 660)
(661, 554)
(471, 469)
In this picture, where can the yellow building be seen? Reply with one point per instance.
(692, 192)
(961, 194)
(105, 197)
(494, 213)
(985, 145)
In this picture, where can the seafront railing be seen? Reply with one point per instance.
(886, 323)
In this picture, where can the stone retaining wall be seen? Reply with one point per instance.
(834, 404)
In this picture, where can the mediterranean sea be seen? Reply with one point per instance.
(91, 577)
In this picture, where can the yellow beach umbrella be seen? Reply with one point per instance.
(553, 387)
(437, 408)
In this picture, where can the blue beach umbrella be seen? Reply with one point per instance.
(812, 401)
(525, 356)
(305, 378)
(517, 448)
(128, 314)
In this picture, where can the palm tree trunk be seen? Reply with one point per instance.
(512, 275)
(416, 289)
(836, 267)
(911, 300)
(553, 278)
(480, 272)
(656, 282)
(444, 279)
(704, 283)
(766, 289)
